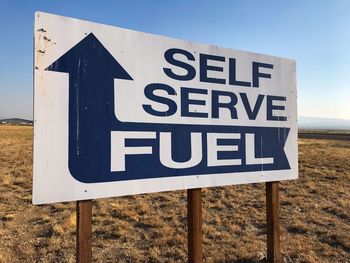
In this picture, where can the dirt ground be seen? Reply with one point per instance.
(315, 215)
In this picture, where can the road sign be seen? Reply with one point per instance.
(120, 112)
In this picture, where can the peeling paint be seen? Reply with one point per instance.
(47, 39)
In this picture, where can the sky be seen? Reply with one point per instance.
(314, 33)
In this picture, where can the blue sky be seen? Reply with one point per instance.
(314, 33)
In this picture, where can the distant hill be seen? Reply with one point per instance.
(323, 123)
(303, 123)
(16, 121)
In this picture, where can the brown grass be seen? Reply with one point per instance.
(315, 215)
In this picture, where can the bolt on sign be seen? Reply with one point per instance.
(119, 112)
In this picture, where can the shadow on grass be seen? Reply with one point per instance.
(245, 260)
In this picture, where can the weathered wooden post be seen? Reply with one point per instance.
(273, 223)
(194, 218)
(84, 231)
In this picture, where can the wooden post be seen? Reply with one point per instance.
(273, 223)
(194, 218)
(84, 232)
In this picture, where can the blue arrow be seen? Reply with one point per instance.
(92, 70)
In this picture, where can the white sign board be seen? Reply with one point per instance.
(119, 112)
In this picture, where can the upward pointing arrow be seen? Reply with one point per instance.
(89, 55)
(92, 70)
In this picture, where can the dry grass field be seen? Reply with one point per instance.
(315, 215)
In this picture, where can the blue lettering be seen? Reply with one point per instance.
(216, 105)
(186, 102)
(149, 93)
(257, 74)
(232, 75)
(271, 108)
(252, 113)
(169, 57)
(204, 67)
